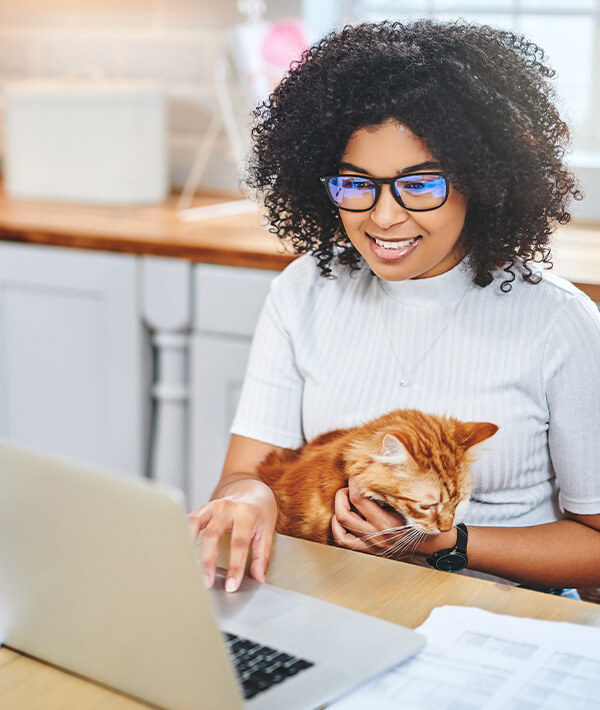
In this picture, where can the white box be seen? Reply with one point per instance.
(95, 141)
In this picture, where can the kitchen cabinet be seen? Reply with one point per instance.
(74, 356)
(227, 303)
(131, 363)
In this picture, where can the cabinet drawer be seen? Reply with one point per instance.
(228, 299)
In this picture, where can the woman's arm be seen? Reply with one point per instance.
(243, 505)
(561, 554)
(565, 553)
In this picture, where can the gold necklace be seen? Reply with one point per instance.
(405, 376)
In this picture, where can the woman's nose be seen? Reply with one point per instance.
(387, 211)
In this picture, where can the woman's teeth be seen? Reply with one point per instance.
(395, 245)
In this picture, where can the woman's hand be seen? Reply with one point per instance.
(248, 510)
(243, 505)
(369, 527)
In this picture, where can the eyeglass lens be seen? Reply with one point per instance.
(418, 192)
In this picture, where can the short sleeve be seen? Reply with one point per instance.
(572, 381)
(270, 406)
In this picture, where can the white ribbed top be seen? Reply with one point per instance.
(330, 353)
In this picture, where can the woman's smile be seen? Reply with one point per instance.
(393, 249)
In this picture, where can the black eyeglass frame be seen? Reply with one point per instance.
(378, 182)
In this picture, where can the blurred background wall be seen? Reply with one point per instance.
(178, 42)
(174, 41)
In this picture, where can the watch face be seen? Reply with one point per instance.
(451, 563)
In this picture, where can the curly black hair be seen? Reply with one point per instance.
(479, 98)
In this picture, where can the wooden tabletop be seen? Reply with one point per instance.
(395, 591)
(236, 240)
(405, 593)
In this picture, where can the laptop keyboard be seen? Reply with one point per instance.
(259, 667)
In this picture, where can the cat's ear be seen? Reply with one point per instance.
(473, 433)
(392, 451)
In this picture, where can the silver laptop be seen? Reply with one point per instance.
(98, 575)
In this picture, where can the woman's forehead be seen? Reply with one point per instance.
(385, 150)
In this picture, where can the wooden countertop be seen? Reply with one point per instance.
(576, 256)
(236, 241)
(151, 230)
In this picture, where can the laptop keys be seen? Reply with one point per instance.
(260, 667)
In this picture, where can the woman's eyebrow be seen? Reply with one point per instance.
(427, 165)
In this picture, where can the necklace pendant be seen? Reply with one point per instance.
(403, 382)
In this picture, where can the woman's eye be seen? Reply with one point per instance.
(425, 507)
(355, 184)
(414, 185)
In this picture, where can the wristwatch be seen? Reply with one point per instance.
(454, 558)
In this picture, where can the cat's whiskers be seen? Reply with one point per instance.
(418, 541)
(398, 540)
(405, 545)
(399, 529)
(403, 537)
(366, 537)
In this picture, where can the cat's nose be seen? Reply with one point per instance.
(444, 522)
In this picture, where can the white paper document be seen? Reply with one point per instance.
(476, 660)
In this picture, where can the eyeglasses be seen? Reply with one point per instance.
(419, 192)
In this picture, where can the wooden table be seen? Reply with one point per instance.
(395, 591)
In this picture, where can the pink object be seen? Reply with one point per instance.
(284, 43)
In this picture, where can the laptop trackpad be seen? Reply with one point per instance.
(253, 603)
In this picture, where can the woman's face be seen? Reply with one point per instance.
(415, 245)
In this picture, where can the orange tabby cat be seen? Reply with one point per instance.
(416, 463)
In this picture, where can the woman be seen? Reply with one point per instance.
(419, 170)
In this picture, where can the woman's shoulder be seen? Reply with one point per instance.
(302, 279)
(545, 286)
(546, 301)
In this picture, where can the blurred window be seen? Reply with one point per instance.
(568, 32)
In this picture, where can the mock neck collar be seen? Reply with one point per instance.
(445, 289)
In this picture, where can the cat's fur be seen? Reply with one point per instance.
(416, 463)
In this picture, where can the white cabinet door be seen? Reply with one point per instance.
(73, 357)
(227, 302)
(218, 366)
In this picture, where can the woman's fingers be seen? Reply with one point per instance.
(362, 524)
(349, 519)
(261, 553)
(248, 524)
(249, 531)
(199, 518)
(241, 536)
(371, 511)
(347, 526)
(379, 518)
(343, 538)
(214, 530)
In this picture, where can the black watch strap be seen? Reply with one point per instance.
(455, 558)
(462, 538)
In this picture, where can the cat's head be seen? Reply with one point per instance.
(424, 472)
